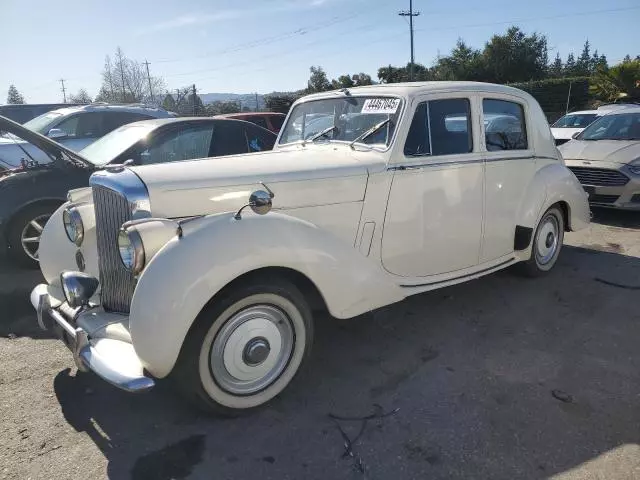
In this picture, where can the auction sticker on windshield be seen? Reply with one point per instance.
(380, 105)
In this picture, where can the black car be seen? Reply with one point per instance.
(24, 112)
(30, 194)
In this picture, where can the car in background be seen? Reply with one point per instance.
(605, 158)
(73, 127)
(272, 121)
(24, 112)
(29, 195)
(572, 123)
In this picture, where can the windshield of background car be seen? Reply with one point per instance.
(623, 126)
(42, 123)
(580, 120)
(105, 149)
(352, 116)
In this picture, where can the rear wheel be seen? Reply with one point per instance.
(547, 243)
(24, 234)
(246, 347)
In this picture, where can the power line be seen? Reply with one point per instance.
(64, 92)
(410, 13)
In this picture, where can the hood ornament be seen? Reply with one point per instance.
(260, 201)
(118, 167)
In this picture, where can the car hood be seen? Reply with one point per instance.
(299, 177)
(617, 151)
(564, 133)
(34, 140)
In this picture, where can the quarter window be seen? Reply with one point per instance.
(440, 127)
(187, 144)
(504, 125)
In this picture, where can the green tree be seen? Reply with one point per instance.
(343, 81)
(279, 103)
(515, 57)
(463, 63)
(570, 66)
(598, 62)
(583, 64)
(80, 97)
(14, 96)
(169, 103)
(619, 81)
(360, 79)
(556, 68)
(318, 81)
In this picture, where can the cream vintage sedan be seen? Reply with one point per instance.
(209, 271)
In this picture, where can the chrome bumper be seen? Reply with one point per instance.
(107, 363)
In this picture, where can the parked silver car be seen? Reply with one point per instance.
(606, 159)
(74, 128)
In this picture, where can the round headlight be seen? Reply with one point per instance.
(73, 225)
(131, 250)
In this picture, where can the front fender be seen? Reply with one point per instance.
(551, 184)
(188, 271)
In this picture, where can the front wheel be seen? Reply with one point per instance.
(24, 234)
(547, 243)
(246, 347)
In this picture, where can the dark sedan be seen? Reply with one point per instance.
(30, 194)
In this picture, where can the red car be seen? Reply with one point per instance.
(270, 120)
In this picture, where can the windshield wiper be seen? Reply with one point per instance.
(321, 134)
(369, 132)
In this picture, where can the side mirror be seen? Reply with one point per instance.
(575, 135)
(56, 133)
(260, 202)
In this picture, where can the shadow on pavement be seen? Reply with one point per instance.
(502, 377)
(616, 218)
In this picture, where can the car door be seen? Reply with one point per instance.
(509, 168)
(433, 222)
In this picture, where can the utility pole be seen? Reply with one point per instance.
(64, 91)
(194, 98)
(122, 76)
(146, 64)
(257, 106)
(410, 13)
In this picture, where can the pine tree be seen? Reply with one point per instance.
(555, 69)
(14, 96)
(570, 66)
(583, 65)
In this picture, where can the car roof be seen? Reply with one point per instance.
(621, 111)
(158, 122)
(411, 89)
(105, 107)
(250, 114)
(584, 112)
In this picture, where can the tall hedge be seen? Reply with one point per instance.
(552, 94)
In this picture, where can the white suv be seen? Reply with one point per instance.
(73, 127)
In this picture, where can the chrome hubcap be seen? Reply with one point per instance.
(252, 349)
(547, 240)
(30, 236)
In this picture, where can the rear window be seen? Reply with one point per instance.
(578, 120)
(504, 125)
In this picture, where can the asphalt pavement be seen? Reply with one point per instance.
(498, 378)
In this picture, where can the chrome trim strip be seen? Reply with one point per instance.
(463, 162)
(486, 270)
(129, 185)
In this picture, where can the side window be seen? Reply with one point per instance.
(504, 125)
(259, 140)
(82, 125)
(276, 121)
(230, 139)
(187, 144)
(260, 121)
(69, 125)
(440, 127)
(113, 120)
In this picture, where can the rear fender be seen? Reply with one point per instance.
(213, 251)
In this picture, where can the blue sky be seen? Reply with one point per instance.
(244, 46)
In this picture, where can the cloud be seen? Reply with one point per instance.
(191, 19)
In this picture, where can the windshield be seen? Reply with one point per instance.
(105, 149)
(575, 120)
(351, 116)
(42, 123)
(624, 126)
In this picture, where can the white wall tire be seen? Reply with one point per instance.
(246, 347)
(546, 243)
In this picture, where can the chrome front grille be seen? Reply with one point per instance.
(599, 177)
(117, 283)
